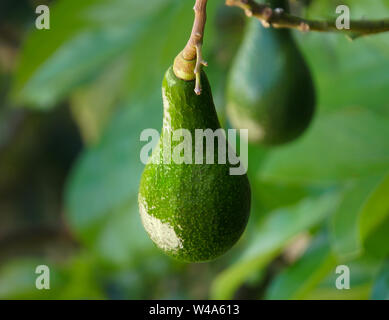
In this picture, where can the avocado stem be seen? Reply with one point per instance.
(199, 62)
(196, 37)
(183, 67)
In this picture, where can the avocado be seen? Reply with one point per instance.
(193, 211)
(270, 90)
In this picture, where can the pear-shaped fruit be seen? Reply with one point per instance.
(193, 212)
(270, 90)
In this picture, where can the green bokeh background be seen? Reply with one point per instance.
(73, 101)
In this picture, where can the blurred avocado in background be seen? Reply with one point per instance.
(73, 101)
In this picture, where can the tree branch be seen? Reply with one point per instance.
(277, 18)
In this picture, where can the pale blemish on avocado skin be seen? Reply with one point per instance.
(162, 234)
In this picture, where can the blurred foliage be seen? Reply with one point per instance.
(317, 203)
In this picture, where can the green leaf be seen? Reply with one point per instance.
(299, 279)
(374, 244)
(343, 145)
(343, 82)
(358, 292)
(82, 278)
(83, 40)
(363, 271)
(76, 63)
(381, 286)
(278, 228)
(373, 9)
(345, 236)
(122, 240)
(364, 207)
(41, 45)
(106, 177)
(92, 106)
(376, 208)
(17, 280)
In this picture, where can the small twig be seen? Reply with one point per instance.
(278, 18)
(199, 63)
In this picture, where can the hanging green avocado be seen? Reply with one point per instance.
(270, 90)
(193, 212)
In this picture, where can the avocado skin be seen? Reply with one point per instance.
(270, 89)
(193, 212)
